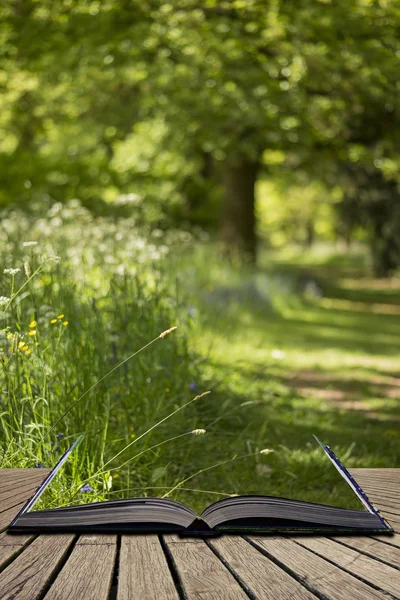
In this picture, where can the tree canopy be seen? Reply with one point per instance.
(100, 99)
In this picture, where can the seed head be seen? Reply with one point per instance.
(198, 431)
(166, 332)
(266, 451)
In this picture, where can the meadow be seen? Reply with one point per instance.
(304, 344)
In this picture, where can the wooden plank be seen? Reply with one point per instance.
(10, 545)
(7, 516)
(393, 540)
(393, 520)
(263, 578)
(18, 488)
(317, 574)
(143, 570)
(391, 473)
(202, 574)
(389, 491)
(28, 575)
(88, 570)
(381, 575)
(19, 496)
(16, 476)
(373, 547)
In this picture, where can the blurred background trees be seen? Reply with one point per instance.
(251, 118)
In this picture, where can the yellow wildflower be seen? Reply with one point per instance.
(28, 351)
(65, 323)
(133, 435)
(53, 321)
(32, 332)
(32, 324)
(26, 347)
(10, 336)
(21, 344)
(115, 476)
(60, 316)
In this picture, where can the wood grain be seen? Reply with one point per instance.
(8, 515)
(317, 574)
(373, 548)
(28, 575)
(393, 540)
(88, 571)
(202, 574)
(144, 571)
(10, 545)
(381, 575)
(258, 573)
(16, 487)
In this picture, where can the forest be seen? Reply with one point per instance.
(228, 167)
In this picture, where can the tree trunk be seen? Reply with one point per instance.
(238, 216)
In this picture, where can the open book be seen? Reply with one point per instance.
(241, 514)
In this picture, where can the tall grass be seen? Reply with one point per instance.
(85, 294)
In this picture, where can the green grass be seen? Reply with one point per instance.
(280, 365)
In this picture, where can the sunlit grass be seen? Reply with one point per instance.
(280, 366)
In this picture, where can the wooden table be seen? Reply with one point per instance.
(129, 567)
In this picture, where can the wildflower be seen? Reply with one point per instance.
(198, 431)
(11, 271)
(29, 244)
(166, 332)
(65, 323)
(59, 436)
(25, 347)
(133, 435)
(193, 387)
(54, 259)
(38, 465)
(32, 332)
(28, 351)
(86, 488)
(266, 451)
(10, 336)
(21, 345)
(53, 321)
(60, 316)
(115, 476)
(4, 300)
(32, 324)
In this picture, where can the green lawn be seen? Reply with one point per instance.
(295, 366)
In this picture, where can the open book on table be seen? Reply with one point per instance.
(240, 514)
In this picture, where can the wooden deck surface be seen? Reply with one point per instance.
(151, 567)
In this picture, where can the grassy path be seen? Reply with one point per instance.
(327, 365)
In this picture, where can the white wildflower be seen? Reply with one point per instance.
(266, 451)
(29, 244)
(198, 431)
(11, 271)
(4, 300)
(278, 354)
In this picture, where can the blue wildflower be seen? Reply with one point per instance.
(192, 387)
(59, 436)
(86, 488)
(38, 465)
